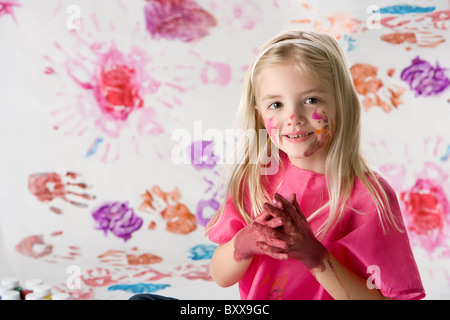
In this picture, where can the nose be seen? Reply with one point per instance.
(296, 117)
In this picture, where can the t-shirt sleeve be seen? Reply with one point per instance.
(385, 259)
(229, 223)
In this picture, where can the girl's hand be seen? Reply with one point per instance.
(301, 244)
(257, 238)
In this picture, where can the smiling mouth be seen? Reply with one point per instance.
(299, 135)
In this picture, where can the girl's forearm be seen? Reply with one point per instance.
(224, 269)
(342, 283)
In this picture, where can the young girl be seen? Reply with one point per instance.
(323, 226)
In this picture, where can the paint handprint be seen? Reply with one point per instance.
(426, 207)
(178, 217)
(183, 20)
(118, 89)
(123, 258)
(39, 245)
(425, 79)
(117, 218)
(48, 186)
(27, 247)
(374, 92)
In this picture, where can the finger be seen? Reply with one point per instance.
(274, 243)
(293, 210)
(277, 204)
(265, 218)
(271, 236)
(294, 202)
(275, 253)
(274, 223)
(274, 211)
(279, 213)
(292, 199)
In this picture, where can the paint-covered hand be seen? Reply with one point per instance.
(257, 238)
(295, 231)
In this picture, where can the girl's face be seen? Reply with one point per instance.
(298, 112)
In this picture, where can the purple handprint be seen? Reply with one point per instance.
(118, 218)
(425, 79)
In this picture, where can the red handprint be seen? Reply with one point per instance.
(48, 186)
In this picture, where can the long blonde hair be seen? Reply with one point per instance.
(320, 55)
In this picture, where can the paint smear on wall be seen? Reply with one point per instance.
(195, 272)
(202, 251)
(48, 186)
(143, 259)
(118, 88)
(337, 24)
(139, 287)
(374, 92)
(7, 8)
(206, 209)
(83, 293)
(415, 26)
(238, 15)
(181, 20)
(412, 25)
(117, 81)
(427, 207)
(117, 96)
(399, 37)
(405, 8)
(423, 194)
(100, 277)
(424, 79)
(34, 246)
(117, 218)
(177, 215)
(203, 158)
(216, 72)
(38, 247)
(121, 258)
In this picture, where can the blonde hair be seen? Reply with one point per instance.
(320, 56)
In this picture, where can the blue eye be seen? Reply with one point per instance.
(312, 101)
(275, 105)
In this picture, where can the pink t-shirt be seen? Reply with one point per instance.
(357, 242)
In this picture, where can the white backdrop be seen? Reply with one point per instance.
(94, 95)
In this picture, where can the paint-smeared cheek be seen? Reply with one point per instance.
(317, 116)
(323, 134)
(326, 125)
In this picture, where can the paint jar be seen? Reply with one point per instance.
(12, 283)
(29, 286)
(44, 291)
(11, 295)
(61, 296)
(3, 289)
(33, 296)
